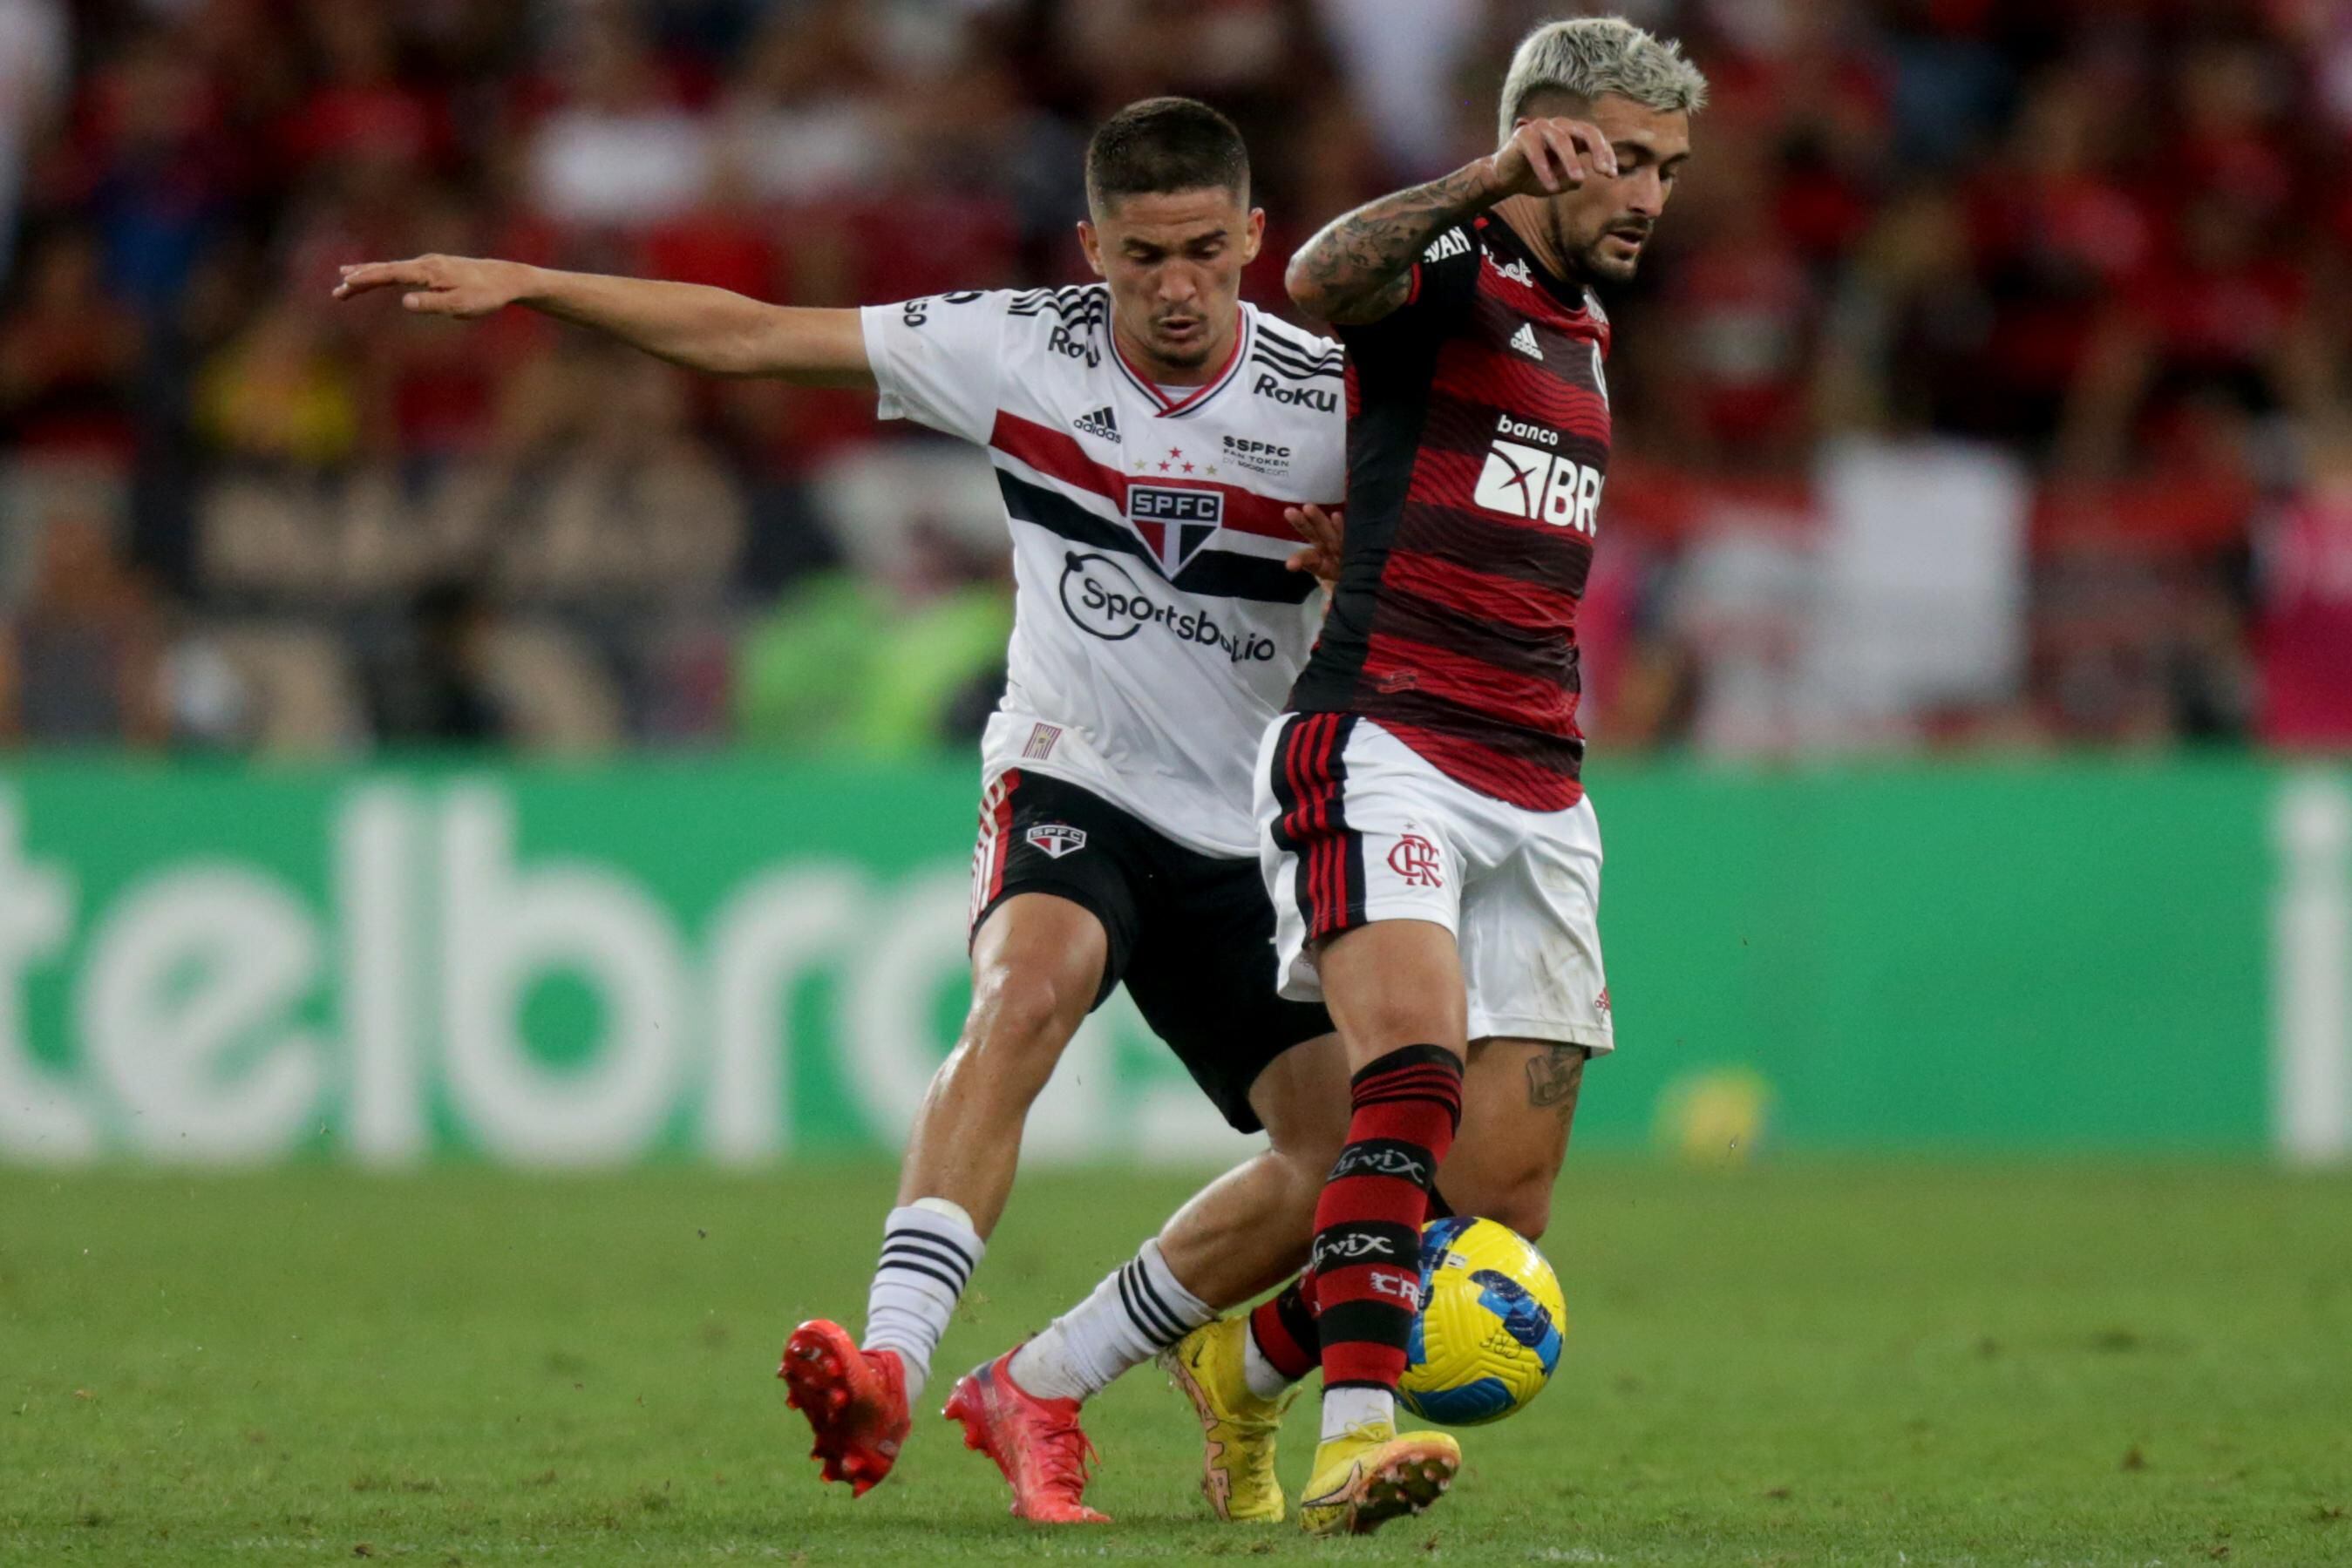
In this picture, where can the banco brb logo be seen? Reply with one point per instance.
(1524, 481)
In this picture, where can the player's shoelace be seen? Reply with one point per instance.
(1066, 1459)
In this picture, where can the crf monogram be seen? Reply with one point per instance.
(1414, 859)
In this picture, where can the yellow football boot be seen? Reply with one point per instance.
(1371, 1475)
(1237, 1472)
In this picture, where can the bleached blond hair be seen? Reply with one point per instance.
(1588, 56)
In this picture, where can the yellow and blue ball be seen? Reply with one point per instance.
(1488, 1334)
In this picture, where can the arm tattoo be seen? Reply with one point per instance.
(1356, 268)
(1554, 1077)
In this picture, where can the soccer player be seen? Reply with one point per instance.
(1433, 862)
(1149, 434)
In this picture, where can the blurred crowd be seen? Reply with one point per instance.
(2093, 251)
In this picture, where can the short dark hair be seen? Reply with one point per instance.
(1164, 145)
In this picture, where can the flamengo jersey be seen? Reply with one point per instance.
(1477, 440)
(1156, 628)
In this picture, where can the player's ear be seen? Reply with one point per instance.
(1091, 243)
(1253, 237)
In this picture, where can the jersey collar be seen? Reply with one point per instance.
(1499, 232)
(1166, 407)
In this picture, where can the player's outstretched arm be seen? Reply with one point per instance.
(1358, 269)
(686, 323)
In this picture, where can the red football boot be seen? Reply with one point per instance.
(1035, 1442)
(854, 1399)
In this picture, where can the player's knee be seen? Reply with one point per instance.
(1021, 1015)
(1521, 1199)
(1309, 1153)
(1398, 1019)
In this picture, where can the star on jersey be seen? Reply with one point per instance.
(1175, 463)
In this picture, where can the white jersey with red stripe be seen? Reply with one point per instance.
(1156, 632)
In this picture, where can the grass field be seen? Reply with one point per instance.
(1838, 1363)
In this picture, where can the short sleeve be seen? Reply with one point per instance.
(1444, 282)
(938, 360)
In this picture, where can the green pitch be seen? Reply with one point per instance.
(1801, 1363)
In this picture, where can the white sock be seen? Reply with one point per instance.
(1266, 1379)
(1356, 1406)
(929, 1251)
(1136, 1312)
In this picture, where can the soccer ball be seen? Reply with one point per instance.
(1489, 1330)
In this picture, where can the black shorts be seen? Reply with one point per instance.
(1191, 935)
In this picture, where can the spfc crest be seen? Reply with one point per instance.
(1174, 522)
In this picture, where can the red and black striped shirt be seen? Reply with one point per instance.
(1478, 442)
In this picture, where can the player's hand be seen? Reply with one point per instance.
(1322, 532)
(1545, 157)
(452, 285)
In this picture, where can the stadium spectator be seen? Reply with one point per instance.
(2112, 239)
(2304, 603)
(36, 56)
(69, 358)
(436, 687)
(78, 660)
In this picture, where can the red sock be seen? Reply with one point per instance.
(1284, 1327)
(1365, 1278)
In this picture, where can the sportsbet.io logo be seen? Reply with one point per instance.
(1105, 599)
(1524, 481)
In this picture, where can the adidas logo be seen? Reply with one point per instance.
(1524, 340)
(1102, 425)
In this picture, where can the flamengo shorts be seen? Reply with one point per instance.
(1354, 826)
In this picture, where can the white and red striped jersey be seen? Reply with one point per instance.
(1156, 631)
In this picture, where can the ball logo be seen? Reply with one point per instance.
(1415, 858)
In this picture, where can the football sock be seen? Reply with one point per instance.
(1366, 1270)
(1136, 1312)
(929, 1251)
(1282, 1343)
(1356, 1406)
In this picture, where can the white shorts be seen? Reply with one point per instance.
(1354, 826)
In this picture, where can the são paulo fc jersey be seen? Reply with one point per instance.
(1156, 631)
